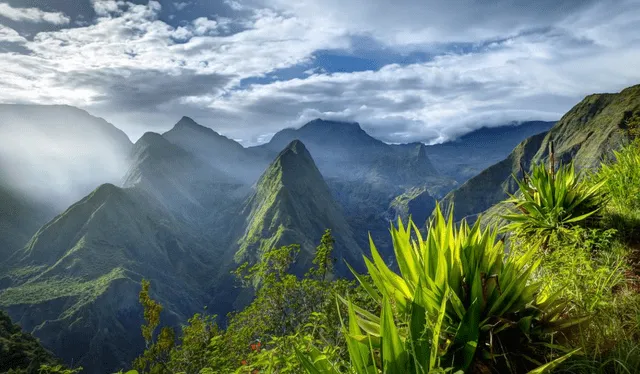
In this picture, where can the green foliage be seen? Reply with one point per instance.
(20, 352)
(323, 259)
(286, 313)
(191, 354)
(272, 267)
(162, 354)
(551, 202)
(583, 268)
(157, 353)
(459, 299)
(621, 179)
(57, 369)
(631, 123)
(287, 309)
(151, 312)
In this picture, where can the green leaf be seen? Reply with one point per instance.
(394, 355)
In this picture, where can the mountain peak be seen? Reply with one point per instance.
(188, 123)
(296, 146)
(293, 204)
(294, 163)
(149, 139)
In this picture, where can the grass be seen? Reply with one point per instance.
(601, 274)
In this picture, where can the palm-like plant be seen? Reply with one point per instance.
(458, 302)
(550, 202)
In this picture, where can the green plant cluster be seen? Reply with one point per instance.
(20, 352)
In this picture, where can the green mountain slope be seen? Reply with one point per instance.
(20, 351)
(293, 204)
(586, 134)
(416, 203)
(364, 174)
(75, 284)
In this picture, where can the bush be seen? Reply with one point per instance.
(621, 178)
(458, 302)
(551, 202)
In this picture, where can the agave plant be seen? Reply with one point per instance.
(458, 303)
(550, 202)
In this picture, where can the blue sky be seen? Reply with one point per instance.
(407, 70)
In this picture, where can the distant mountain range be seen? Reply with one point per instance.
(489, 146)
(189, 205)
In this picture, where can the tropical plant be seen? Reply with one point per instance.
(550, 202)
(459, 302)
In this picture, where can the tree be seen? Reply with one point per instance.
(155, 357)
(323, 260)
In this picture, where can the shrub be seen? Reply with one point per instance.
(621, 178)
(550, 202)
(458, 302)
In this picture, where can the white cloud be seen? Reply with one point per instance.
(524, 78)
(32, 15)
(138, 71)
(180, 5)
(8, 34)
(411, 22)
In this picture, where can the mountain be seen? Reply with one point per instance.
(364, 174)
(589, 132)
(56, 154)
(343, 150)
(177, 221)
(179, 180)
(468, 155)
(75, 284)
(293, 204)
(219, 151)
(416, 203)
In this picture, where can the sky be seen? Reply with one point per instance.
(406, 70)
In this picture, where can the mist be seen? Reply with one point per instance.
(58, 154)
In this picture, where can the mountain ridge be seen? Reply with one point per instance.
(586, 134)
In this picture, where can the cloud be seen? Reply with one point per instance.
(484, 63)
(32, 15)
(410, 22)
(136, 89)
(8, 34)
(180, 5)
(522, 78)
